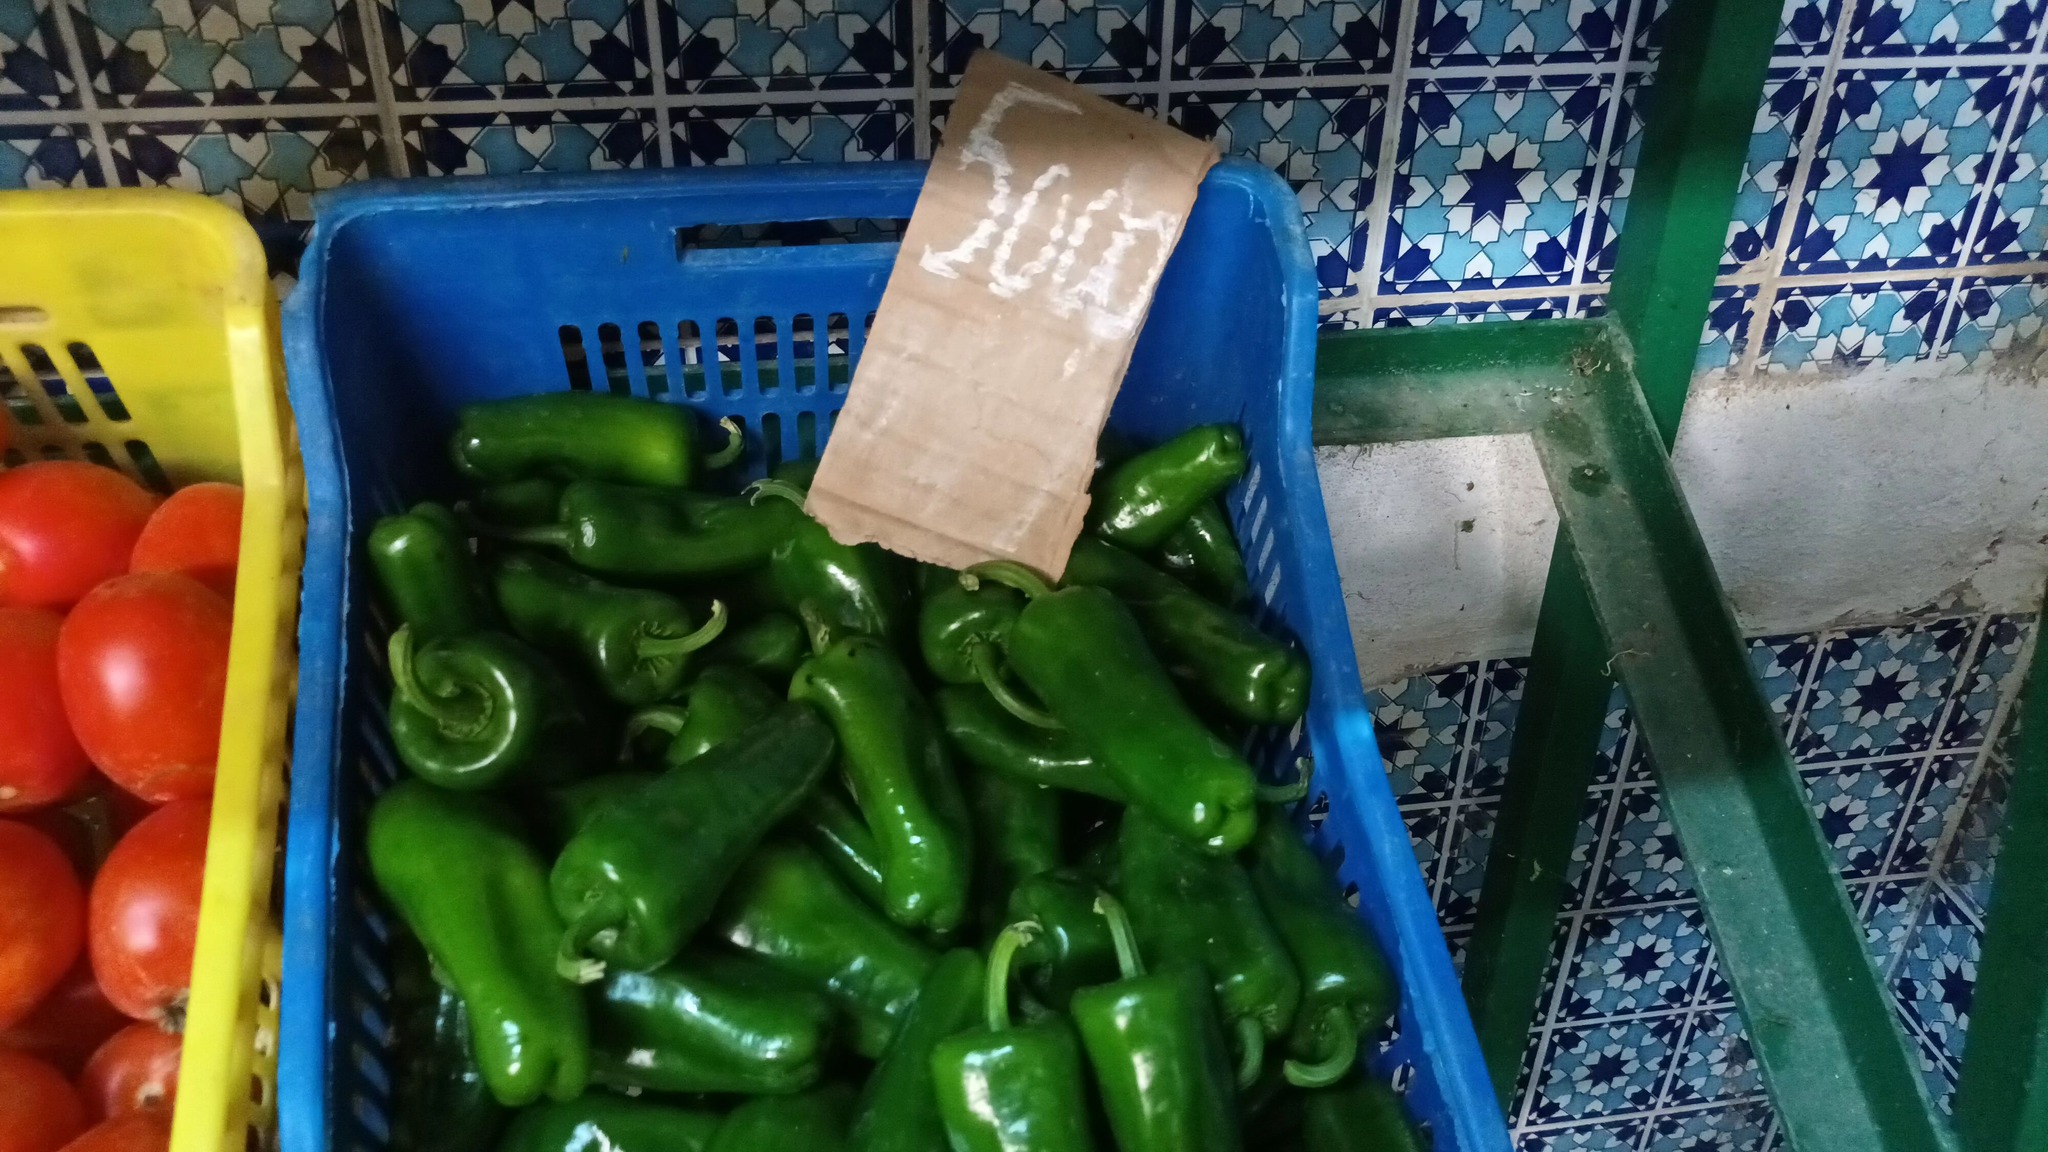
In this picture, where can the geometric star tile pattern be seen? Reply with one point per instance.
(213, 53)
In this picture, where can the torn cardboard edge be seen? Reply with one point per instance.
(1025, 274)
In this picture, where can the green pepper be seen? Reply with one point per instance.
(583, 436)
(788, 907)
(1258, 678)
(1347, 991)
(1157, 1050)
(660, 533)
(481, 710)
(1004, 1088)
(720, 703)
(635, 644)
(830, 824)
(902, 777)
(994, 740)
(1188, 903)
(1203, 552)
(898, 1111)
(960, 633)
(770, 646)
(1016, 835)
(1073, 948)
(845, 589)
(516, 503)
(423, 563)
(1142, 500)
(439, 1101)
(602, 1122)
(458, 874)
(563, 810)
(712, 1020)
(1359, 1115)
(813, 1122)
(646, 870)
(1082, 652)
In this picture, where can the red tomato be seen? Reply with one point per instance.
(42, 919)
(65, 525)
(198, 532)
(143, 916)
(40, 760)
(132, 1132)
(136, 1070)
(143, 665)
(39, 1112)
(70, 1023)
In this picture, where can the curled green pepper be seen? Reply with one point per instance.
(1073, 948)
(994, 740)
(844, 589)
(583, 435)
(481, 710)
(720, 703)
(635, 644)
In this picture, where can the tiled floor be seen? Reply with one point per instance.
(1640, 1046)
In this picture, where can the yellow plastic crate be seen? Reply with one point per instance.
(137, 329)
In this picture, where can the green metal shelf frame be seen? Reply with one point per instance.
(1632, 595)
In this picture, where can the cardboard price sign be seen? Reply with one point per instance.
(1008, 322)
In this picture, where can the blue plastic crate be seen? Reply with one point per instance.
(417, 298)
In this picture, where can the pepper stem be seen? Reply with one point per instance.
(1343, 1053)
(572, 961)
(1128, 961)
(1008, 573)
(999, 955)
(668, 718)
(735, 443)
(781, 489)
(1251, 1051)
(657, 647)
(406, 687)
(981, 654)
(1305, 770)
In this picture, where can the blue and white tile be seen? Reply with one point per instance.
(269, 170)
(1633, 962)
(47, 156)
(508, 143)
(1493, 735)
(1717, 1062)
(818, 132)
(1495, 182)
(1858, 810)
(1471, 839)
(785, 45)
(1806, 29)
(1814, 329)
(942, 109)
(1900, 169)
(1781, 664)
(1260, 39)
(1937, 974)
(1994, 673)
(33, 73)
(1908, 28)
(1492, 32)
(1601, 1136)
(1969, 868)
(1739, 1127)
(2015, 225)
(1934, 809)
(215, 54)
(1891, 911)
(1994, 316)
(517, 49)
(1880, 691)
(1644, 863)
(1324, 144)
(1095, 41)
(1616, 179)
(1605, 1068)
(1765, 187)
(1429, 831)
(1470, 310)
(1420, 725)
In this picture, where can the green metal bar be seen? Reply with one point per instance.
(2002, 1097)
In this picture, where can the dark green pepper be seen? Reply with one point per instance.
(423, 563)
(902, 777)
(1203, 552)
(1083, 654)
(439, 1101)
(460, 876)
(898, 1111)
(660, 533)
(829, 822)
(844, 589)
(517, 503)
(1004, 1088)
(1157, 1050)
(481, 710)
(1016, 835)
(1073, 948)
(564, 809)
(813, 1122)
(583, 436)
(1359, 1115)
(1347, 991)
(1188, 903)
(602, 1122)
(635, 644)
(960, 633)
(720, 703)
(711, 1021)
(788, 907)
(1259, 679)
(1142, 500)
(994, 740)
(646, 870)
(770, 646)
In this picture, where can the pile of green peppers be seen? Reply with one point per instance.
(717, 833)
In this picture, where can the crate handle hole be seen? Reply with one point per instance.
(22, 315)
